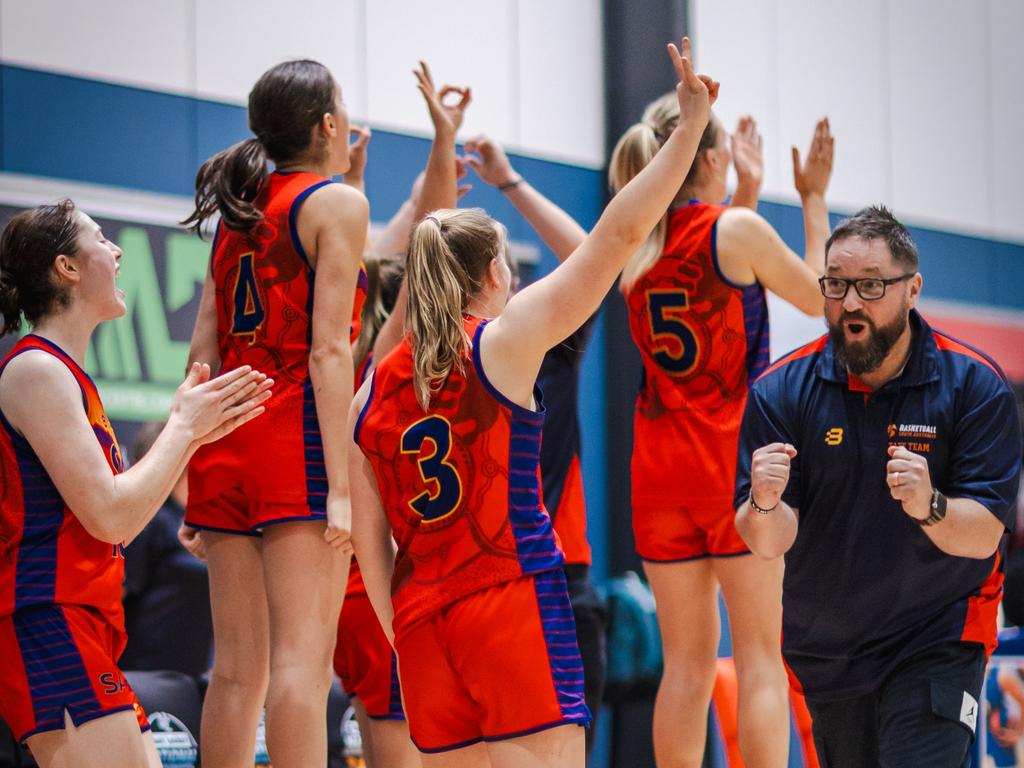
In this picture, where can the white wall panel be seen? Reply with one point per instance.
(1006, 24)
(146, 43)
(561, 79)
(833, 61)
(941, 111)
(736, 43)
(464, 45)
(238, 40)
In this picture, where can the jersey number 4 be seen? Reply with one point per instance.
(431, 440)
(675, 344)
(248, 314)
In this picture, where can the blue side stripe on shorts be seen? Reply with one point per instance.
(560, 638)
(57, 678)
(395, 701)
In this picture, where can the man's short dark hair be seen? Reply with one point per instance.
(877, 223)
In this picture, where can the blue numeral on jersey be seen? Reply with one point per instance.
(248, 314)
(431, 440)
(675, 344)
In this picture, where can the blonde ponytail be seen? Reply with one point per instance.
(449, 253)
(634, 150)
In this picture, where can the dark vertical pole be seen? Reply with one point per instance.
(637, 70)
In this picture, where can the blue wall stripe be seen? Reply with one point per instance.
(955, 267)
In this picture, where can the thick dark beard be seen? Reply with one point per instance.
(865, 357)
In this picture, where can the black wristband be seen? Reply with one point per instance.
(760, 510)
(510, 185)
(937, 509)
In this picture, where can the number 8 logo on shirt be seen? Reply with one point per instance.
(431, 439)
(669, 333)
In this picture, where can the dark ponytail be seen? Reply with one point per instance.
(228, 183)
(28, 246)
(286, 103)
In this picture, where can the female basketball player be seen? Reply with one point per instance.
(449, 431)
(284, 292)
(695, 294)
(363, 658)
(68, 507)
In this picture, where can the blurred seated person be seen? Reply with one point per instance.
(166, 589)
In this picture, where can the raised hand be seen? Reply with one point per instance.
(811, 177)
(357, 153)
(769, 473)
(748, 153)
(208, 409)
(696, 93)
(489, 160)
(909, 481)
(446, 117)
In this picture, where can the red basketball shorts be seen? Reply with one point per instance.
(667, 533)
(57, 658)
(365, 661)
(498, 664)
(233, 512)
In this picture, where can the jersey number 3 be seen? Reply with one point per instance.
(248, 314)
(675, 344)
(431, 440)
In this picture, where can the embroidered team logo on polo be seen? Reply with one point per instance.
(834, 436)
(914, 437)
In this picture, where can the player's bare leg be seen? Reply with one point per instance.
(241, 660)
(687, 598)
(111, 740)
(561, 747)
(390, 745)
(305, 580)
(753, 595)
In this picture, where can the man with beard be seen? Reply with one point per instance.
(882, 460)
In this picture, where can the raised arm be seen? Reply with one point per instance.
(556, 228)
(546, 312)
(439, 185)
(748, 160)
(750, 249)
(358, 154)
(811, 179)
(42, 400)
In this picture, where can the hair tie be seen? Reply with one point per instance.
(434, 219)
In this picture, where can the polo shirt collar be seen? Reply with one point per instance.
(922, 366)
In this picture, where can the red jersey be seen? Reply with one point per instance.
(459, 483)
(703, 340)
(46, 555)
(264, 296)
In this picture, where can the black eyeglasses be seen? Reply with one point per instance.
(868, 288)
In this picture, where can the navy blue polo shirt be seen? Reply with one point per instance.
(864, 586)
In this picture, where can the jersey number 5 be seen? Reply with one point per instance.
(431, 440)
(675, 344)
(248, 314)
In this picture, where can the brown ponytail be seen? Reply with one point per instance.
(286, 103)
(28, 246)
(634, 150)
(228, 183)
(449, 253)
